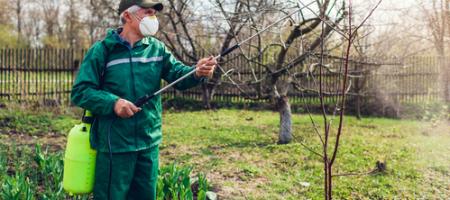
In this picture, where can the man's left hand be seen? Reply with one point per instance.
(205, 67)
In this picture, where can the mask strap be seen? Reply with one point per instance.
(136, 17)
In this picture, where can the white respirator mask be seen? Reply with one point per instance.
(148, 25)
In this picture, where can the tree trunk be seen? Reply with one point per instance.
(330, 183)
(206, 96)
(284, 108)
(209, 88)
(19, 20)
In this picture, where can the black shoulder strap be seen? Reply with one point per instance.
(105, 56)
(91, 119)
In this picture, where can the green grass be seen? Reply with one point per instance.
(28, 81)
(237, 151)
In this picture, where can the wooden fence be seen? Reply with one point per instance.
(46, 76)
(37, 74)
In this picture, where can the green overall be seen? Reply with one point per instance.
(129, 73)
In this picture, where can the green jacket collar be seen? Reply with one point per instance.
(113, 38)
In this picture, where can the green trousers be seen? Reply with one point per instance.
(134, 175)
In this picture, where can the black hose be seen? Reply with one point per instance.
(110, 157)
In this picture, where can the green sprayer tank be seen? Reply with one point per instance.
(79, 160)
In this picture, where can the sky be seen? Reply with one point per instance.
(389, 12)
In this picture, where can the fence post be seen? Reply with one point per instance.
(75, 65)
(447, 79)
(443, 78)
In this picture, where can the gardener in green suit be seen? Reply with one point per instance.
(115, 72)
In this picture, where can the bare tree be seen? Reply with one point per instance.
(438, 21)
(329, 158)
(103, 15)
(278, 76)
(94, 26)
(403, 35)
(179, 32)
(187, 37)
(19, 8)
(290, 66)
(51, 12)
(330, 142)
(4, 16)
(33, 27)
(73, 24)
(236, 20)
(15, 19)
(272, 86)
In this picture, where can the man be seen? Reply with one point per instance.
(115, 72)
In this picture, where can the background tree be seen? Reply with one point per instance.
(18, 11)
(187, 35)
(101, 14)
(11, 24)
(73, 26)
(437, 18)
(51, 11)
(278, 70)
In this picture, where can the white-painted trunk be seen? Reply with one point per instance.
(284, 108)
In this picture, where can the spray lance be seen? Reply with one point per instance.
(79, 160)
(143, 100)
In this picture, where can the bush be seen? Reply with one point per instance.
(429, 111)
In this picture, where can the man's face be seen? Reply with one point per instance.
(134, 18)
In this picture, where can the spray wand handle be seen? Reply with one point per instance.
(142, 100)
(227, 51)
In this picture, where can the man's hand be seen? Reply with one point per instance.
(205, 67)
(125, 109)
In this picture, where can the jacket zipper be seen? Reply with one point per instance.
(134, 95)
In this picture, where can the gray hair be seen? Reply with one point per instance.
(132, 9)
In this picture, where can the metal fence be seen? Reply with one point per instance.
(46, 76)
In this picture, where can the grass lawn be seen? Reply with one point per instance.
(237, 151)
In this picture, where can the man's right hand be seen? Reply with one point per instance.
(125, 109)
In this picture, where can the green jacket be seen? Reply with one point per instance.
(130, 73)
